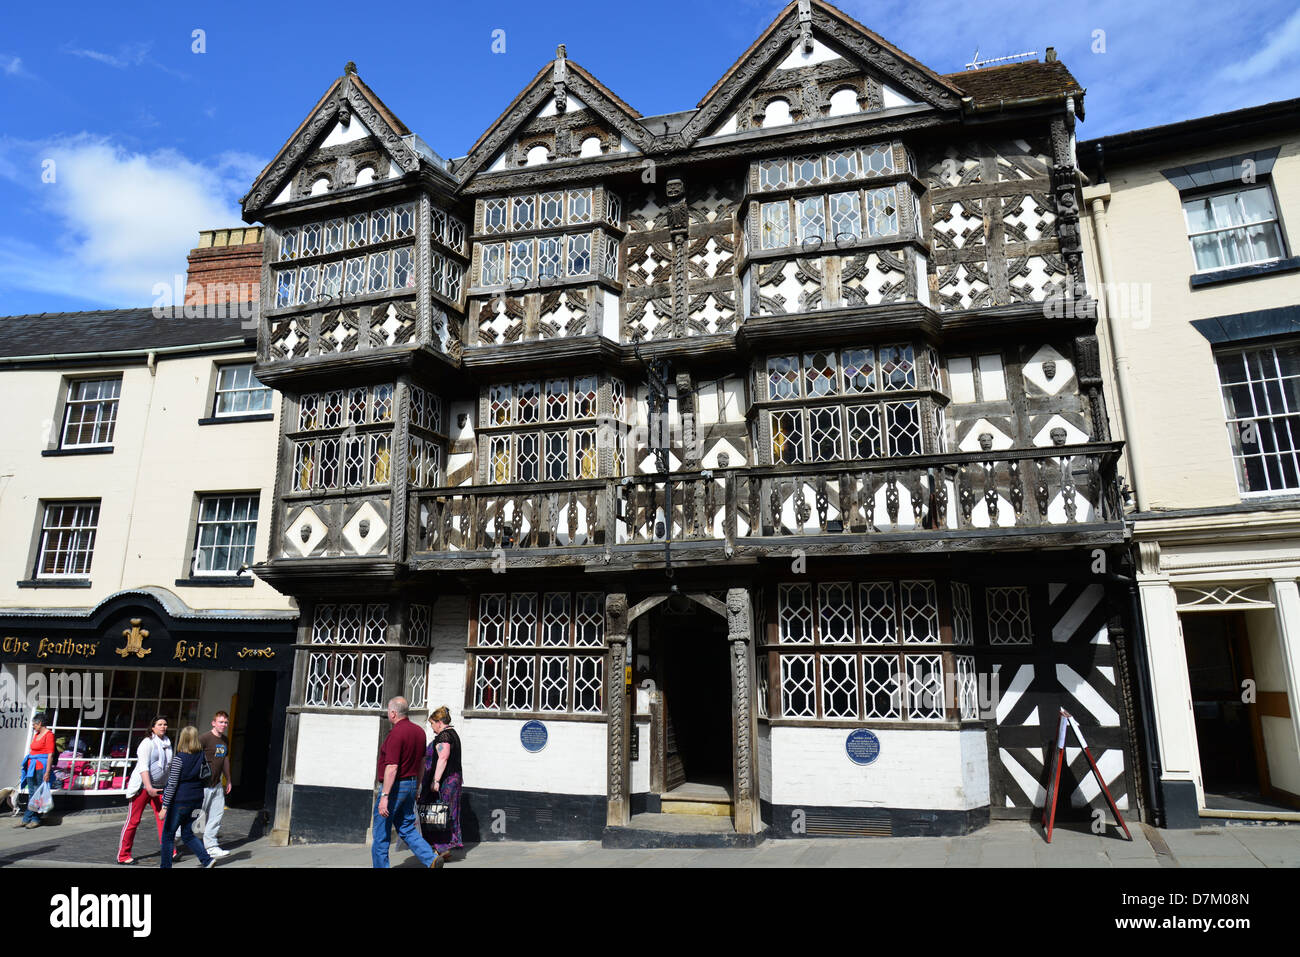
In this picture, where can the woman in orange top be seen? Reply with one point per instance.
(37, 765)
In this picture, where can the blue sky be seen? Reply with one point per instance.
(152, 141)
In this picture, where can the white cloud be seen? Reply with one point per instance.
(131, 55)
(1283, 48)
(12, 65)
(121, 221)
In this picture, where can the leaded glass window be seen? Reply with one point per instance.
(579, 254)
(810, 217)
(493, 269)
(882, 212)
(494, 216)
(775, 230)
(550, 257)
(580, 205)
(550, 209)
(846, 216)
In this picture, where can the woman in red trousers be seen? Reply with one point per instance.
(153, 758)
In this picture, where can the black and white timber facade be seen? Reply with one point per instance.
(703, 439)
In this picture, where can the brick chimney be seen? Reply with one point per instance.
(226, 267)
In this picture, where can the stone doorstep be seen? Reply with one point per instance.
(650, 831)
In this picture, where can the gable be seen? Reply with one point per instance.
(349, 140)
(813, 63)
(549, 136)
(565, 113)
(349, 156)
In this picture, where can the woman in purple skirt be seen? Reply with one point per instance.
(442, 782)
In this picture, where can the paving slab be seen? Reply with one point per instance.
(92, 843)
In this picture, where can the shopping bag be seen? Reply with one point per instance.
(43, 800)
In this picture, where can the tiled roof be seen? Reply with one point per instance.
(1015, 81)
(119, 330)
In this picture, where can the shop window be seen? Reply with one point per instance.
(95, 749)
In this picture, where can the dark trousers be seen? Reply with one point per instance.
(181, 814)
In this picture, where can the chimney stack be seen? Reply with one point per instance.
(226, 267)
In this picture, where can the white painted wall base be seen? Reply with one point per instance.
(940, 770)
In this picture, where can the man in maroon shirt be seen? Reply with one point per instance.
(401, 762)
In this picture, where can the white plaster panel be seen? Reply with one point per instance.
(337, 750)
(609, 322)
(820, 53)
(573, 761)
(765, 762)
(340, 134)
(641, 766)
(450, 630)
(916, 769)
(893, 98)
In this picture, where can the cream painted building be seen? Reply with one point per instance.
(1194, 229)
(133, 497)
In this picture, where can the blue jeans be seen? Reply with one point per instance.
(401, 811)
(35, 771)
(182, 814)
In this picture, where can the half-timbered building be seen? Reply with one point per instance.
(672, 452)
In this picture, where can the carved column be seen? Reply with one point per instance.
(679, 231)
(619, 796)
(1087, 367)
(745, 725)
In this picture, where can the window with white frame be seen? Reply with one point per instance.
(1234, 227)
(90, 412)
(1261, 401)
(831, 405)
(864, 650)
(226, 535)
(67, 542)
(238, 392)
(342, 674)
(538, 652)
(344, 439)
(563, 434)
(101, 743)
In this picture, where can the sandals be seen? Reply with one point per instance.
(128, 861)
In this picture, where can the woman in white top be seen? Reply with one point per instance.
(146, 786)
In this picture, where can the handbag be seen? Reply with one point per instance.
(204, 772)
(434, 814)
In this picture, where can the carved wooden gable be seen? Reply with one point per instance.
(814, 63)
(349, 140)
(564, 114)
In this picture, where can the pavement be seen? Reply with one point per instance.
(91, 841)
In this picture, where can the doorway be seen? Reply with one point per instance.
(1229, 711)
(688, 652)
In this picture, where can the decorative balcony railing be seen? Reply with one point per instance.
(1061, 488)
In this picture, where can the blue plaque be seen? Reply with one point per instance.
(533, 736)
(862, 746)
